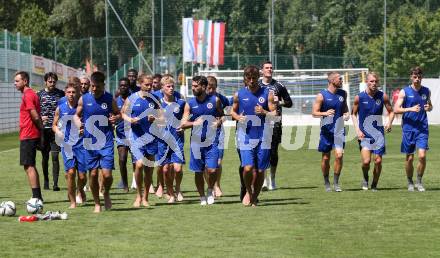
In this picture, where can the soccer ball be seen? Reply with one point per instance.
(34, 206)
(7, 208)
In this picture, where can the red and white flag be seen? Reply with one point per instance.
(204, 42)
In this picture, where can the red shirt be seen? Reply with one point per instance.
(29, 101)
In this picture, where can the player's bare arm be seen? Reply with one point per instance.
(317, 107)
(346, 114)
(56, 117)
(428, 106)
(354, 117)
(398, 109)
(185, 124)
(116, 114)
(389, 108)
(220, 111)
(125, 115)
(78, 114)
(234, 110)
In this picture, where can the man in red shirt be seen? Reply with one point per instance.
(30, 130)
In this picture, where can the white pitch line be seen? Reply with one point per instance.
(9, 150)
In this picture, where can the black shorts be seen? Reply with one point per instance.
(28, 152)
(49, 143)
(276, 134)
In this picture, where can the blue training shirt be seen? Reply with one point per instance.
(141, 107)
(415, 121)
(247, 101)
(207, 107)
(370, 106)
(337, 102)
(101, 106)
(66, 114)
(173, 113)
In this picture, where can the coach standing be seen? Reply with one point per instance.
(49, 97)
(30, 126)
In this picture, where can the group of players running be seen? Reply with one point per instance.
(149, 121)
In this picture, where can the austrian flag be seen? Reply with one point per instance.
(203, 41)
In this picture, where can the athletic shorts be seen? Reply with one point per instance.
(257, 157)
(221, 153)
(49, 143)
(77, 160)
(329, 141)
(165, 155)
(121, 142)
(139, 152)
(412, 140)
(28, 151)
(208, 158)
(103, 158)
(379, 150)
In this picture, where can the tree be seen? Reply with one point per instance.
(34, 22)
(413, 38)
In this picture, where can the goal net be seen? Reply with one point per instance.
(302, 85)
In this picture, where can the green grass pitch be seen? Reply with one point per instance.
(299, 219)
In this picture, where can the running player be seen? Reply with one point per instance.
(331, 106)
(253, 108)
(49, 98)
(121, 139)
(132, 76)
(71, 142)
(159, 172)
(212, 90)
(170, 146)
(413, 102)
(85, 84)
(99, 111)
(282, 98)
(139, 111)
(156, 82)
(367, 120)
(203, 115)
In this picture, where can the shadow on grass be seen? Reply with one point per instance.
(131, 209)
(121, 193)
(91, 201)
(297, 188)
(282, 203)
(178, 203)
(429, 189)
(379, 189)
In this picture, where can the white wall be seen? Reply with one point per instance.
(434, 86)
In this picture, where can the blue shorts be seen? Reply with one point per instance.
(165, 155)
(121, 142)
(139, 152)
(103, 158)
(77, 160)
(257, 157)
(377, 150)
(208, 158)
(329, 141)
(221, 153)
(411, 140)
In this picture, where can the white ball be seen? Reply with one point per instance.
(34, 206)
(8, 208)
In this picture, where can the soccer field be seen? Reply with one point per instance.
(299, 219)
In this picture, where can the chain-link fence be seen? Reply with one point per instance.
(147, 35)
